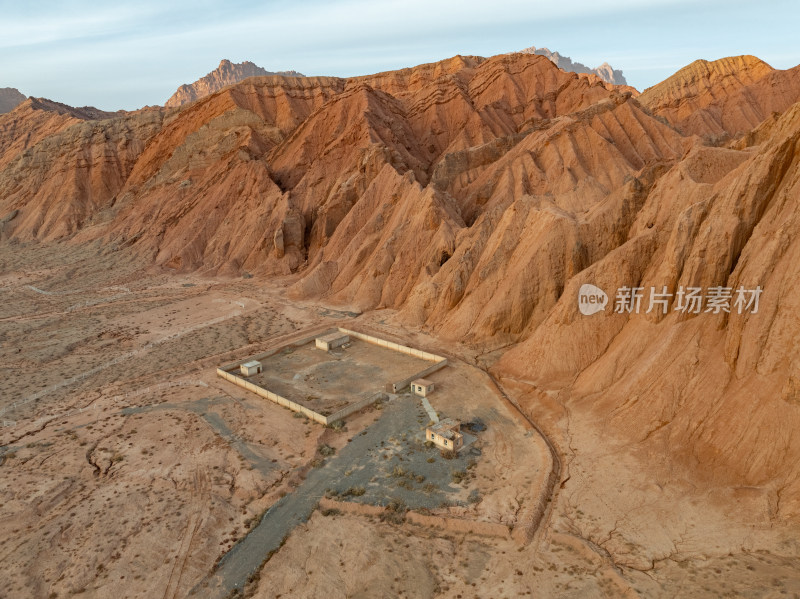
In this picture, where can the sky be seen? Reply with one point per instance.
(127, 55)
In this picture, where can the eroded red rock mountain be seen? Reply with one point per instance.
(729, 96)
(474, 196)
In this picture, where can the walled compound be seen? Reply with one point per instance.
(330, 375)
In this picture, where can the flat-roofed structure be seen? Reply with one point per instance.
(422, 387)
(332, 341)
(446, 434)
(250, 368)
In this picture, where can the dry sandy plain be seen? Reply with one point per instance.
(129, 469)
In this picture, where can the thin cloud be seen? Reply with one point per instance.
(83, 53)
(32, 30)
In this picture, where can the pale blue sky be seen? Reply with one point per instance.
(136, 53)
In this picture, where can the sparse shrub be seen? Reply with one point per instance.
(447, 454)
(399, 472)
(326, 450)
(458, 476)
(354, 492)
(395, 512)
(397, 505)
(393, 517)
(331, 512)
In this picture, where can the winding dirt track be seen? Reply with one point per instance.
(555, 474)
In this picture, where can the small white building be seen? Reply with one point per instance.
(250, 368)
(332, 341)
(422, 387)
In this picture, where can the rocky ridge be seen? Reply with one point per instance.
(227, 73)
(10, 98)
(726, 97)
(605, 71)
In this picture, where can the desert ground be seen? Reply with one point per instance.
(329, 381)
(128, 464)
(130, 469)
